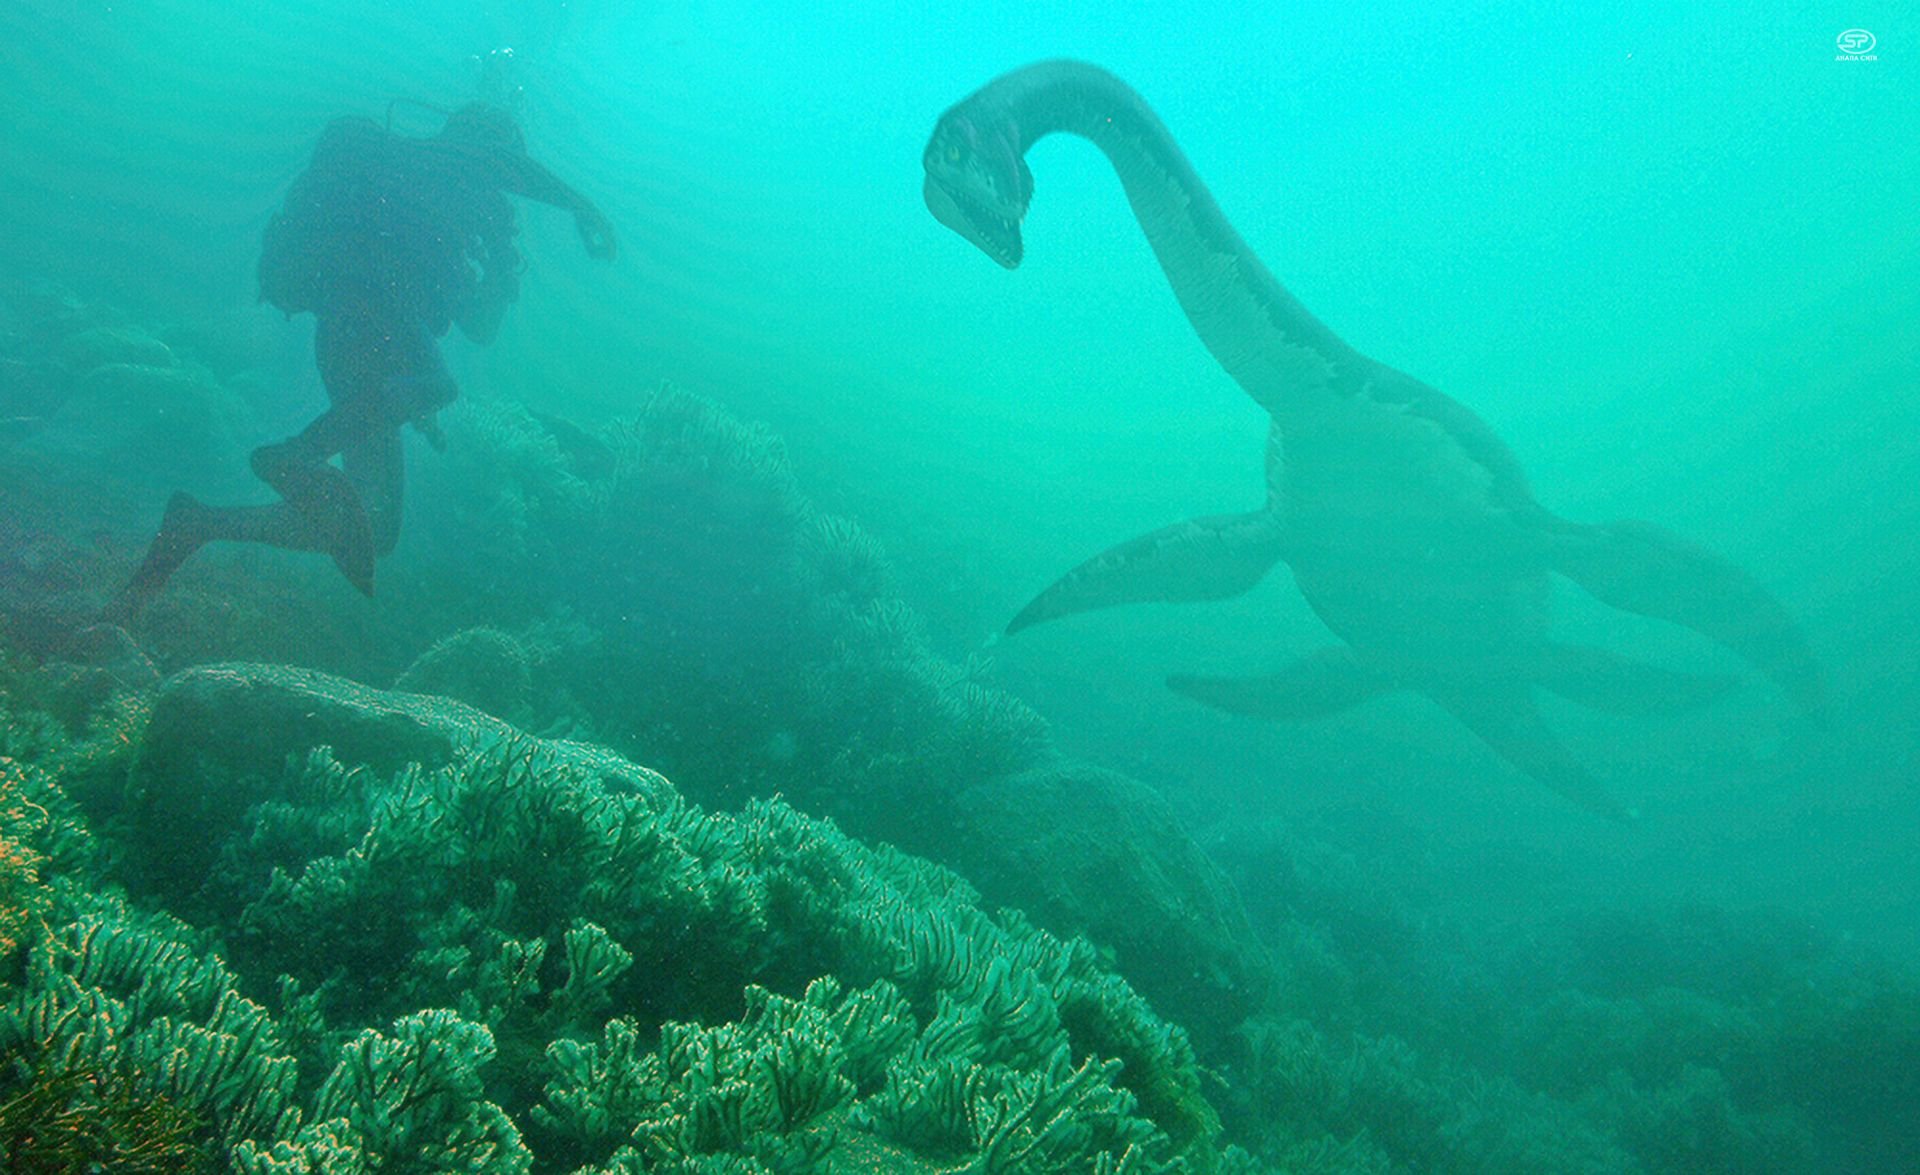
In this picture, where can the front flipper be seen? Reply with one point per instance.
(1638, 567)
(1506, 720)
(1613, 684)
(1321, 683)
(1202, 559)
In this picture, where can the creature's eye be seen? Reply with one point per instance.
(953, 153)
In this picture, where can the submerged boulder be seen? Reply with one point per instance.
(242, 723)
(165, 425)
(483, 667)
(624, 980)
(1084, 850)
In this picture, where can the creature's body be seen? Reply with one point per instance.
(387, 241)
(1407, 523)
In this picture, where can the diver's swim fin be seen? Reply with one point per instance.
(1201, 559)
(340, 519)
(1638, 567)
(1322, 683)
(353, 555)
(324, 497)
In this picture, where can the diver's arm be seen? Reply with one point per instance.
(523, 177)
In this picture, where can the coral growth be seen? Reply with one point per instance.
(534, 953)
(23, 897)
(126, 1007)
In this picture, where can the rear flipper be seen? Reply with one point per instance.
(1202, 559)
(1638, 567)
(1322, 683)
(1506, 720)
(1614, 684)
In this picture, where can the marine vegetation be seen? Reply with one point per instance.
(537, 956)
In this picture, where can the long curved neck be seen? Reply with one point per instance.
(1261, 334)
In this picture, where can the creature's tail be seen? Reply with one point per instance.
(1638, 567)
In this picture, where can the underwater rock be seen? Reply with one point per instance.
(160, 424)
(483, 667)
(95, 664)
(228, 343)
(1124, 873)
(658, 986)
(246, 720)
(30, 391)
(44, 313)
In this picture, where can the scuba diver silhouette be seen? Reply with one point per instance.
(387, 240)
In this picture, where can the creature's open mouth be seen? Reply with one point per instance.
(994, 233)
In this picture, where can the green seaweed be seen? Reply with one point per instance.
(139, 1001)
(603, 970)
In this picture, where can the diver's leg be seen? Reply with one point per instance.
(320, 493)
(182, 532)
(320, 511)
(380, 372)
(357, 356)
(378, 377)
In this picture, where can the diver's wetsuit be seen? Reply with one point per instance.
(387, 241)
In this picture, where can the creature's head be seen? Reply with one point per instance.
(978, 184)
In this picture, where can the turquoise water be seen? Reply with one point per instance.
(1671, 258)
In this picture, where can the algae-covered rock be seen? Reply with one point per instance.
(661, 988)
(241, 722)
(171, 425)
(97, 664)
(483, 667)
(1121, 872)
